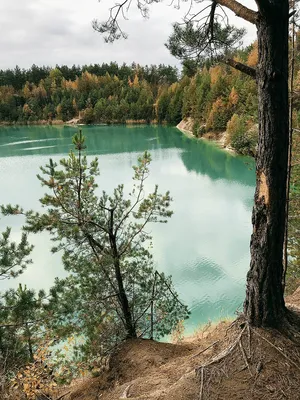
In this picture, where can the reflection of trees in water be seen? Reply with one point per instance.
(206, 159)
(198, 156)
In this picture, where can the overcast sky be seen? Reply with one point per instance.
(50, 32)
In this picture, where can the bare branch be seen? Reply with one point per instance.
(240, 10)
(240, 67)
(113, 31)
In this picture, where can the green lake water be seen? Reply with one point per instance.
(204, 246)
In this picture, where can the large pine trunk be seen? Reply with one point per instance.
(264, 304)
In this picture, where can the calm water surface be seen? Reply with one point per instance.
(204, 246)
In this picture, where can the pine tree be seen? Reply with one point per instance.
(105, 245)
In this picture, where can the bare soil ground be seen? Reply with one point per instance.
(230, 361)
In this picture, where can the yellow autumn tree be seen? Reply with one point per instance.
(36, 380)
(233, 97)
(253, 55)
(27, 90)
(39, 91)
(173, 87)
(6, 92)
(27, 110)
(215, 73)
(56, 76)
(87, 82)
(74, 103)
(218, 116)
(59, 111)
(135, 81)
(233, 127)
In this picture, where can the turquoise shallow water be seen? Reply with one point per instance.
(204, 246)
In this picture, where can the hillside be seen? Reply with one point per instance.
(227, 361)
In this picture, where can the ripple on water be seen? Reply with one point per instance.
(37, 148)
(28, 141)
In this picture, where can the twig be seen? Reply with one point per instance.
(257, 372)
(206, 348)
(201, 387)
(63, 395)
(225, 353)
(244, 357)
(230, 326)
(126, 391)
(222, 355)
(206, 327)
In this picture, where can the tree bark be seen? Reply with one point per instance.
(129, 326)
(122, 297)
(264, 304)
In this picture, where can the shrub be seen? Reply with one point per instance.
(241, 136)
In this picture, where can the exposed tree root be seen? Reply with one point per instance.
(270, 357)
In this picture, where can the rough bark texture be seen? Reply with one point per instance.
(123, 300)
(122, 297)
(264, 305)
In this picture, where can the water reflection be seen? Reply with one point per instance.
(205, 244)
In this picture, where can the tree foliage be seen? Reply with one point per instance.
(113, 289)
(188, 42)
(13, 256)
(94, 93)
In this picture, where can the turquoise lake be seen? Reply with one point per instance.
(204, 246)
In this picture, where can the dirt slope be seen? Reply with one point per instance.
(230, 361)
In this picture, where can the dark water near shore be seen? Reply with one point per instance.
(204, 246)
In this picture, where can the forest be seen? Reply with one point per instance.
(212, 96)
(217, 98)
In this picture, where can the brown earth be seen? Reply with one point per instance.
(230, 361)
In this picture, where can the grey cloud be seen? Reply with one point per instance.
(53, 32)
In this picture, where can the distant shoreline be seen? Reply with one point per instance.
(185, 126)
(77, 121)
